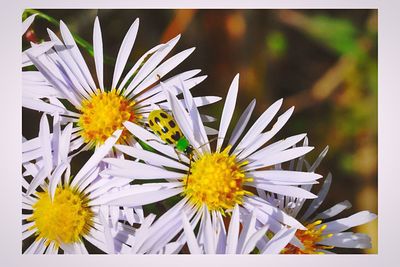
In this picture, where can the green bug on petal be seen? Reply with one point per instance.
(164, 125)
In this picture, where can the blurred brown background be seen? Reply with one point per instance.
(324, 62)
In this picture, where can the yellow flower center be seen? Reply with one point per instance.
(216, 180)
(103, 114)
(65, 219)
(309, 238)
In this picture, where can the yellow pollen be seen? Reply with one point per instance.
(65, 219)
(103, 114)
(309, 238)
(216, 180)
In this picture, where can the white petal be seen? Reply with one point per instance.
(154, 95)
(107, 234)
(183, 120)
(210, 131)
(40, 105)
(69, 67)
(242, 123)
(39, 90)
(65, 142)
(279, 241)
(135, 170)
(233, 232)
(74, 51)
(36, 51)
(333, 211)
(260, 124)
(272, 148)
(135, 67)
(151, 157)
(227, 113)
(51, 76)
(254, 238)
(56, 178)
(319, 159)
(198, 127)
(98, 52)
(348, 240)
(190, 237)
(163, 69)
(142, 233)
(165, 228)
(87, 184)
(151, 63)
(98, 155)
(27, 22)
(209, 245)
(279, 157)
(340, 225)
(145, 198)
(149, 138)
(265, 212)
(314, 205)
(124, 52)
(292, 191)
(284, 176)
(265, 137)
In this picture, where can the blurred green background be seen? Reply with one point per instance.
(323, 62)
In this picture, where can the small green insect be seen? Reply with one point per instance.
(164, 125)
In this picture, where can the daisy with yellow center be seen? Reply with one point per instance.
(309, 239)
(321, 234)
(216, 180)
(63, 220)
(103, 114)
(95, 109)
(58, 212)
(212, 181)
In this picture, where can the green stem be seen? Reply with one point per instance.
(79, 40)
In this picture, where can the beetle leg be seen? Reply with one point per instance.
(178, 154)
(211, 140)
(188, 174)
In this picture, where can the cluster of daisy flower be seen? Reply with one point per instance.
(159, 181)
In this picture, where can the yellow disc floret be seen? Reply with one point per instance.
(65, 219)
(103, 114)
(216, 180)
(309, 238)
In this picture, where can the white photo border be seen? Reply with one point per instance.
(388, 141)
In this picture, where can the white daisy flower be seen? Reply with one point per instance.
(218, 180)
(323, 232)
(58, 212)
(98, 110)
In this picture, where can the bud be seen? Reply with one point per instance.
(30, 36)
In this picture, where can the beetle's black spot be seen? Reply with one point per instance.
(159, 133)
(151, 123)
(157, 120)
(171, 123)
(163, 115)
(176, 136)
(188, 150)
(168, 141)
(164, 129)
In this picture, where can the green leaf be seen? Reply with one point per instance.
(276, 43)
(339, 35)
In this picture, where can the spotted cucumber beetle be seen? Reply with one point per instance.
(165, 126)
